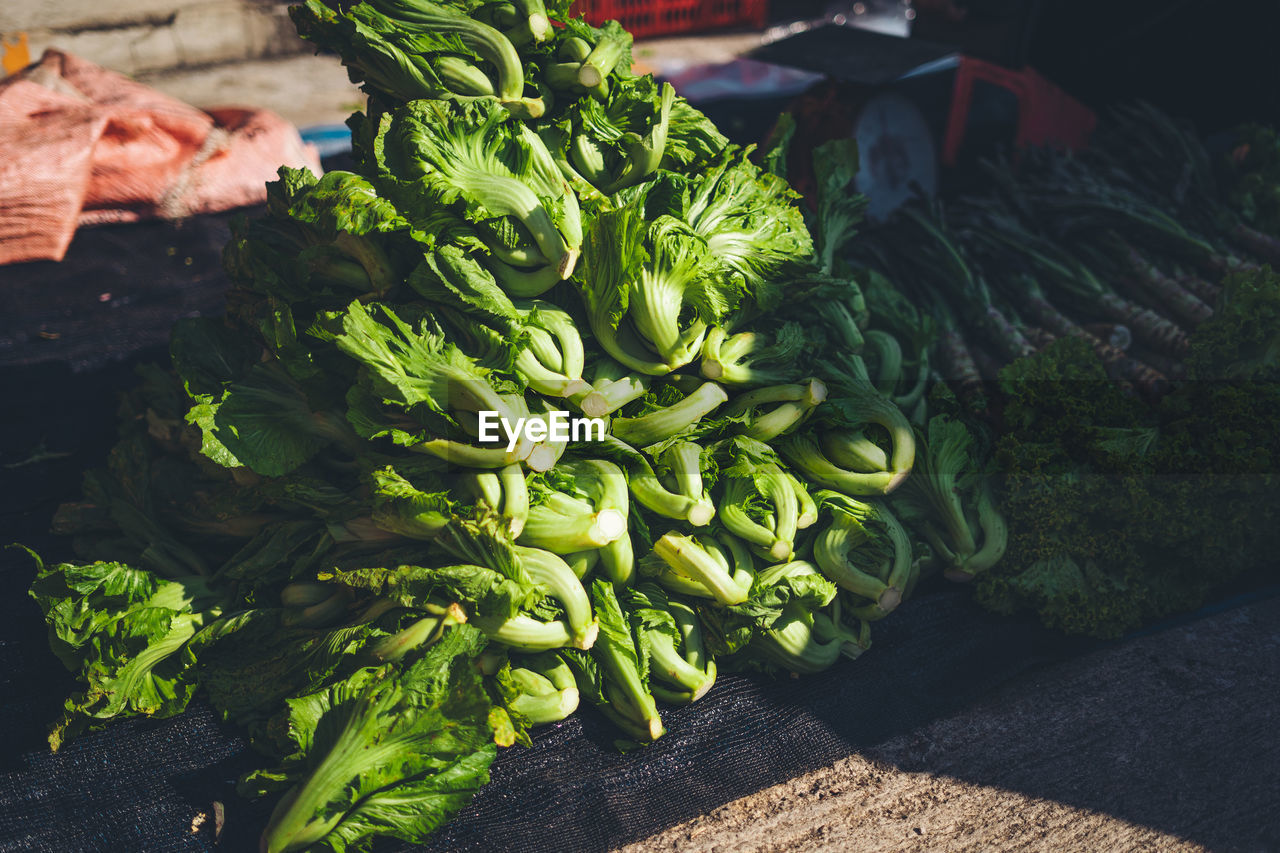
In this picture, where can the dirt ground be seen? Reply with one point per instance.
(1168, 742)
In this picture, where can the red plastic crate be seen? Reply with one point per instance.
(664, 17)
(1047, 116)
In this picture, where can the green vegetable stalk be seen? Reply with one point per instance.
(523, 22)
(615, 141)
(795, 402)
(394, 749)
(525, 633)
(614, 675)
(563, 585)
(412, 367)
(553, 360)
(613, 44)
(618, 561)
(760, 503)
(401, 508)
(442, 22)
(565, 524)
(804, 501)
(752, 358)
(472, 158)
(866, 551)
(705, 566)
(806, 642)
(681, 496)
(504, 492)
(611, 389)
(681, 464)
(651, 287)
(582, 562)
(546, 453)
(680, 671)
(855, 405)
(670, 421)
(951, 501)
(592, 516)
(852, 449)
(419, 634)
(406, 52)
(548, 691)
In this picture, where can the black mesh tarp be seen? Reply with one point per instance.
(70, 335)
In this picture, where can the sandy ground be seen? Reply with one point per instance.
(1169, 742)
(305, 89)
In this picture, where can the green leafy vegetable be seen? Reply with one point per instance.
(127, 634)
(388, 751)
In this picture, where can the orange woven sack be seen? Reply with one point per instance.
(83, 145)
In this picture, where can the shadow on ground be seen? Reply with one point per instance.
(1174, 731)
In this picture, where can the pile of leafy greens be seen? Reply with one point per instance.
(309, 520)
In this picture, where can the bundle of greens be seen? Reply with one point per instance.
(1120, 513)
(405, 51)
(672, 259)
(1103, 455)
(867, 552)
(355, 515)
(950, 499)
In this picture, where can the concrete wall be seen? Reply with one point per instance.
(139, 36)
